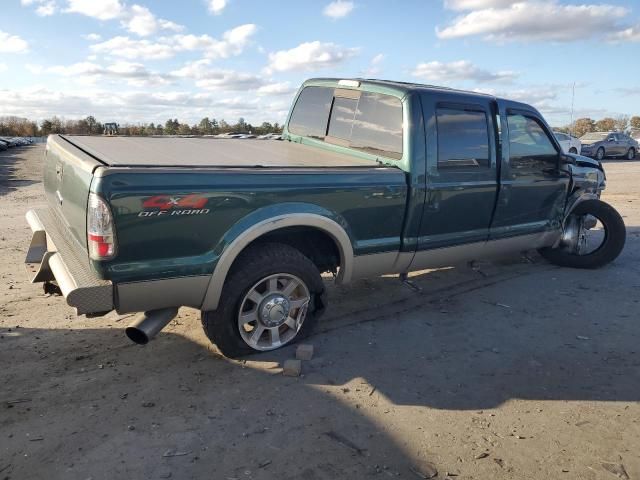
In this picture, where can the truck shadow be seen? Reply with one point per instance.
(9, 179)
(108, 409)
(87, 404)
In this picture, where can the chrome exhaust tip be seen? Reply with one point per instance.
(148, 324)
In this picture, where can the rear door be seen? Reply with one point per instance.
(533, 188)
(461, 170)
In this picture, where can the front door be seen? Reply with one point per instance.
(533, 189)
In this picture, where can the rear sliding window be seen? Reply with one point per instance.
(366, 121)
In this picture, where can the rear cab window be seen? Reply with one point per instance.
(365, 121)
(463, 138)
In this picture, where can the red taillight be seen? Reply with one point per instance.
(100, 237)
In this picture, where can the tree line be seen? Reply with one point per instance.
(22, 127)
(621, 123)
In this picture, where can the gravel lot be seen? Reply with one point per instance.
(509, 370)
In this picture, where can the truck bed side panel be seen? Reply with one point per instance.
(188, 238)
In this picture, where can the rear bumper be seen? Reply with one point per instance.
(52, 256)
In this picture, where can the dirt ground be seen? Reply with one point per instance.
(510, 370)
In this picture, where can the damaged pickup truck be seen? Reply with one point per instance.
(372, 177)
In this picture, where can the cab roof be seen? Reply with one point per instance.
(402, 88)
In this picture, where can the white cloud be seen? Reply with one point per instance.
(12, 43)
(128, 48)
(3, 67)
(216, 6)
(233, 43)
(338, 9)
(100, 9)
(374, 65)
(135, 74)
(309, 56)
(457, 71)
(277, 88)
(631, 34)
(542, 20)
(477, 4)
(217, 79)
(139, 20)
(92, 37)
(46, 9)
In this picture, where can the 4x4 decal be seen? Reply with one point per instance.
(160, 205)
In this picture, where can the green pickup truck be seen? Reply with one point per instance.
(372, 177)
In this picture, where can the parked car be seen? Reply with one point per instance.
(270, 136)
(3, 146)
(10, 142)
(608, 144)
(373, 177)
(569, 143)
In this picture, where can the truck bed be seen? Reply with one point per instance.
(208, 152)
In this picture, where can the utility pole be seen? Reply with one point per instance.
(573, 96)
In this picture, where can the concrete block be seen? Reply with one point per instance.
(292, 368)
(304, 352)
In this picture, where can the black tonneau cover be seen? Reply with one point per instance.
(209, 152)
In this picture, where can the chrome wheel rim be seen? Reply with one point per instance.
(600, 154)
(272, 311)
(584, 235)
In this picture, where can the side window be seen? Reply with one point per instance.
(529, 145)
(311, 112)
(371, 123)
(463, 138)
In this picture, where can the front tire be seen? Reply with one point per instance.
(608, 250)
(631, 154)
(600, 154)
(273, 296)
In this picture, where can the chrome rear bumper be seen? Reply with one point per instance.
(53, 256)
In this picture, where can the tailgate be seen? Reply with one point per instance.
(67, 178)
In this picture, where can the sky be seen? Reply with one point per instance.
(144, 61)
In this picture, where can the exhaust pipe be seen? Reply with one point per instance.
(149, 324)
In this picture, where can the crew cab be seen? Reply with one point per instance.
(372, 177)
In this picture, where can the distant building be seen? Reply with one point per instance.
(110, 128)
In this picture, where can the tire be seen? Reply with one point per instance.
(615, 237)
(573, 150)
(631, 154)
(600, 154)
(257, 263)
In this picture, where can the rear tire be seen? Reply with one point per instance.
(631, 154)
(257, 264)
(573, 150)
(600, 154)
(615, 237)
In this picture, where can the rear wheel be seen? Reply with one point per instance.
(573, 150)
(631, 154)
(594, 235)
(273, 296)
(600, 153)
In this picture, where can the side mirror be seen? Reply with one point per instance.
(611, 139)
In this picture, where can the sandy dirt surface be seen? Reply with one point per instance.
(509, 370)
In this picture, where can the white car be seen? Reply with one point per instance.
(568, 143)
